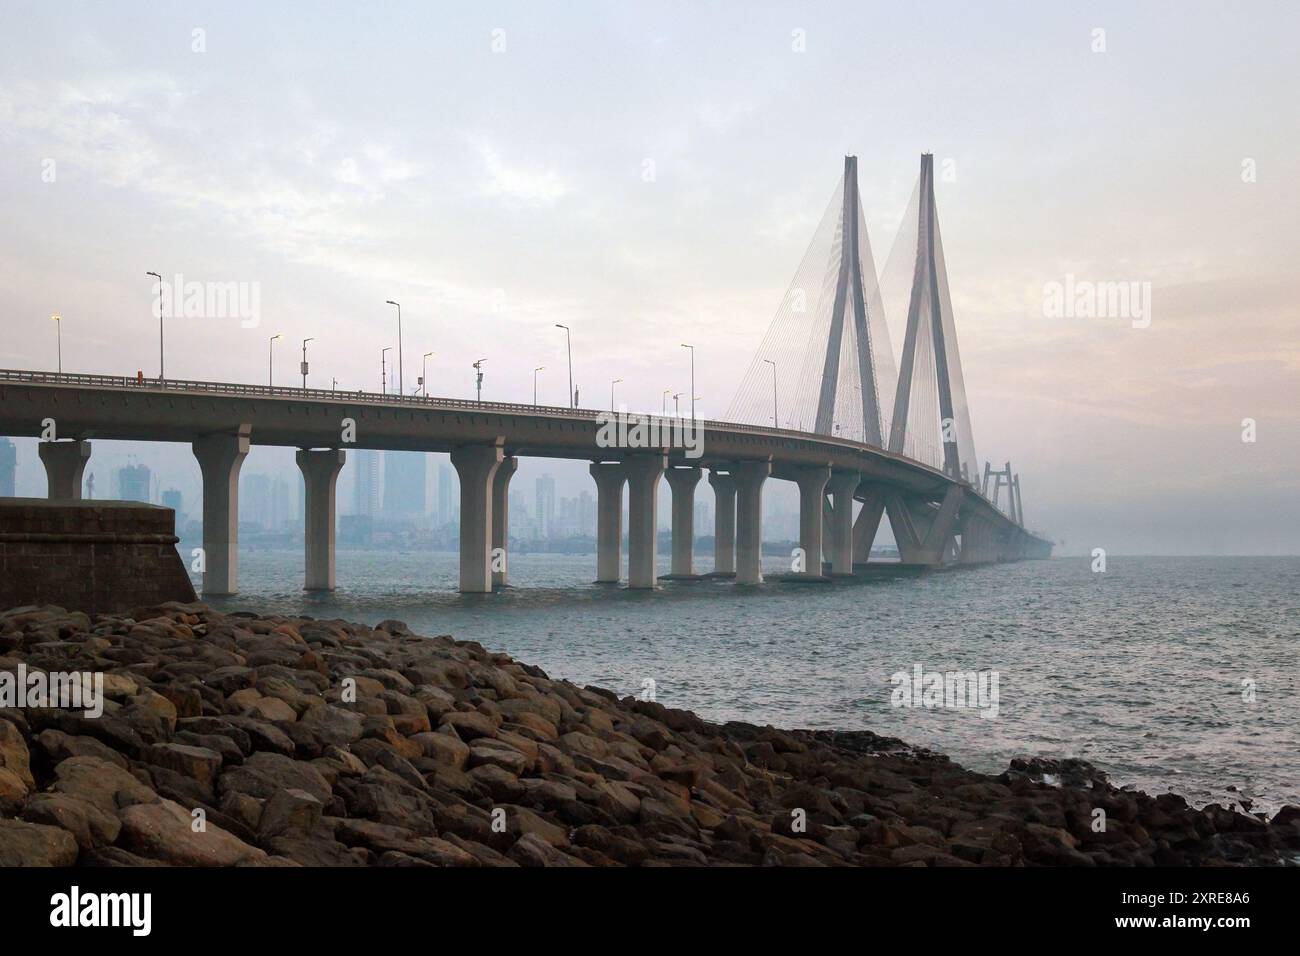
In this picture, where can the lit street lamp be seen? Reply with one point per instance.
(270, 360)
(399, 344)
(160, 323)
(568, 341)
(303, 368)
(540, 368)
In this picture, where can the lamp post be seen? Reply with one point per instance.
(270, 360)
(424, 373)
(692, 348)
(663, 409)
(303, 368)
(568, 342)
(677, 409)
(58, 327)
(478, 379)
(399, 344)
(540, 368)
(611, 392)
(383, 369)
(774, 418)
(160, 323)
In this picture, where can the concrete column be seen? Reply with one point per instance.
(724, 522)
(867, 524)
(682, 481)
(812, 492)
(65, 463)
(220, 457)
(924, 532)
(610, 477)
(476, 467)
(842, 486)
(320, 469)
(643, 474)
(749, 477)
(501, 521)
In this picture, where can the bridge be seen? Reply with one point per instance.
(880, 442)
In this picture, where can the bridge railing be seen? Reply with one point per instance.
(433, 403)
(410, 401)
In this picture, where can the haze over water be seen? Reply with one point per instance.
(1139, 670)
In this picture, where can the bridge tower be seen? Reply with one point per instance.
(931, 420)
(850, 297)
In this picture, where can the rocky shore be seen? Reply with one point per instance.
(244, 740)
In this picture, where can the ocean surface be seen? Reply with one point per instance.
(1168, 673)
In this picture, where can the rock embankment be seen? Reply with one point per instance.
(244, 740)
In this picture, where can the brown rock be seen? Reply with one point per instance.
(164, 831)
(34, 844)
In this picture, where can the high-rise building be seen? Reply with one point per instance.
(404, 483)
(171, 498)
(133, 483)
(544, 513)
(8, 467)
(365, 483)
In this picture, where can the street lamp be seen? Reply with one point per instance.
(58, 326)
(611, 392)
(160, 323)
(568, 341)
(677, 410)
(424, 373)
(540, 368)
(303, 368)
(383, 369)
(478, 380)
(774, 417)
(270, 359)
(692, 348)
(399, 344)
(663, 410)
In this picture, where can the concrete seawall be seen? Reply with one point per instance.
(99, 557)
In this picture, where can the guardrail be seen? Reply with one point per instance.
(431, 403)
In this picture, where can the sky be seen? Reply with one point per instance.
(650, 174)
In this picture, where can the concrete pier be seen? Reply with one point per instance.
(610, 477)
(476, 467)
(643, 474)
(220, 458)
(682, 481)
(724, 522)
(320, 469)
(501, 521)
(749, 477)
(812, 494)
(65, 463)
(841, 488)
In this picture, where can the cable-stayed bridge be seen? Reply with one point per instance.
(824, 404)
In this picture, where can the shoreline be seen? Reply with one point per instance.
(324, 742)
